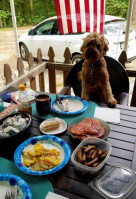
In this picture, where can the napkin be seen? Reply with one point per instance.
(108, 114)
(51, 195)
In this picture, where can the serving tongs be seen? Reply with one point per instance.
(65, 109)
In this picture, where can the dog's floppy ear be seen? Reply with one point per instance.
(83, 45)
(106, 48)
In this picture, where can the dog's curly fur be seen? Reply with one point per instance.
(94, 74)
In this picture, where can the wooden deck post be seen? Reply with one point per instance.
(31, 66)
(20, 66)
(123, 58)
(52, 72)
(67, 56)
(7, 74)
(133, 99)
(41, 75)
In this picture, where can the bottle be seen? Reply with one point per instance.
(24, 103)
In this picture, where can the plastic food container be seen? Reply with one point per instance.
(100, 144)
(117, 182)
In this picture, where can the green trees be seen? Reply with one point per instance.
(5, 14)
(31, 12)
(117, 8)
(28, 12)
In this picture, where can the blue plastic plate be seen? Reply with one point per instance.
(9, 181)
(50, 142)
(75, 104)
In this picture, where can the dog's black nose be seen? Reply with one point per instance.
(91, 54)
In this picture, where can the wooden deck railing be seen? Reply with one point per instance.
(38, 70)
(51, 66)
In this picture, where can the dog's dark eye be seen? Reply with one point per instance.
(89, 43)
(98, 47)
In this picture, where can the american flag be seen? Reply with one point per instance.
(75, 16)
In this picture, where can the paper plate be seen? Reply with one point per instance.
(50, 142)
(76, 105)
(9, 181)
(61, 129)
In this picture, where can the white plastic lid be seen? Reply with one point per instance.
(117, 182)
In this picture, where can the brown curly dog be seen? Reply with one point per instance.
(94, 74)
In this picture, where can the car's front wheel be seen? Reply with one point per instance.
(24, 51)
(76, 58)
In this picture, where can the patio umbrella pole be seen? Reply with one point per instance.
(14, 26)
(129, 16)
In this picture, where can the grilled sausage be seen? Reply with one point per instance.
(96, 164)
(94, 154)
(89, 148)
(104, 154)
(92, 162)
(89, 155)
(99, 152)
(79, 155)
(84, 157)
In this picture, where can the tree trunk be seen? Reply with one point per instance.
(24, 9)
(1, 25)
(31, 7)
(134, 13)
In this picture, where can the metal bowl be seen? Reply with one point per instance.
(23, 115)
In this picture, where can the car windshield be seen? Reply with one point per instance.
(116, 27)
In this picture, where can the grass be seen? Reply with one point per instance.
(3, 29)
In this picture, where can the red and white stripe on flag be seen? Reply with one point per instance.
(75, 16)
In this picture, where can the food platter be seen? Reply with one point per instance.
(13, 125)
(9, 181)
(78, 120)
(61, 129)
(48, 141)
(75, 105)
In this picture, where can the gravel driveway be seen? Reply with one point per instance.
(8, 50)
(8, 55)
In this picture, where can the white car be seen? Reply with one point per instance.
(47, 34)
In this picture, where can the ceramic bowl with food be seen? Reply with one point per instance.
(91, 155)
(82, 128)
(14, 125)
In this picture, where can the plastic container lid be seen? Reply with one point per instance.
(117, 182)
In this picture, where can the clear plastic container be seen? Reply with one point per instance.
(117, 182)
(24, 103)
(100, 144)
